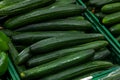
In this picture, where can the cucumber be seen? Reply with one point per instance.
(13, 54)
(28, 38)
(111, 18)
(102, 54)
(23, 56)
(76, 18)
(40, 59)
(56, 65)
(99, 3)
(23, 6)
(44, 14)
(63, 41)
(115, 29)
(75, 71)
(115, 75)
(56, 43)
(111, 8)
(58, 25)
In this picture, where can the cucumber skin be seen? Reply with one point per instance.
(13, 54)
(52, 44)
(78, 70)
(115, 29)
(59, 42)
(23, 6)
(111, 8)
(111, 18)
(43, 15)
(57, 64)
(41, 59)
(58, 25)
(28, 38)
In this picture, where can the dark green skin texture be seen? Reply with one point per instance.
(44, 14)
(41, 59)
(78, 70)
(23, 6)
(57, 65)
(58, 25)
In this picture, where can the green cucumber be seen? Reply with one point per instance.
(47, 13)
(115, 29)
(40, 59)
(115, 75)
(23, 6)
(111, 8)
(28, 38)
(59, 25)
(63, 41)
(75, 71)
(111, 18)
(99, 3)
(13, 54)
(56, 43)
(58, 64)
(76, 18)
(102, 54)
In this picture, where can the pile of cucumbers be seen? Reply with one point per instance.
(51, 40)
(108, 11)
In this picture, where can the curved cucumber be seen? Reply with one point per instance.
(23, 6)
(28, 38)
(44, 14)
(111, 8)
(57, 65)
(81, 69)
(115, 29)
(56, 43)
(111, 18)
(64, 41)
(58, 25)
(41, 59)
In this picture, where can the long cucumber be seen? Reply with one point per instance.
(28, 38)
(58, 25)
(81, 69)
(41, 59)
(55, 43)
(44, 14)
(57, 64)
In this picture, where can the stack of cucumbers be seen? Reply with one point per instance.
(108, 11)
(51, 40)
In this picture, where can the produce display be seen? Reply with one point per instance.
(52, 40)
(108, 12)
